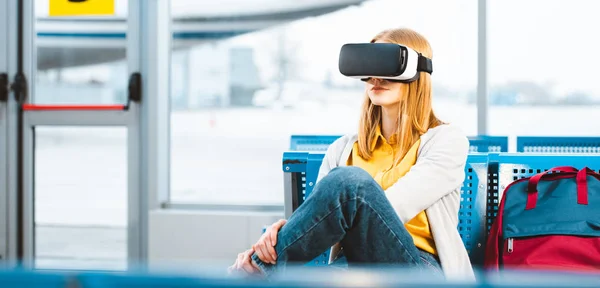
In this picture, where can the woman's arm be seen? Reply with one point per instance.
(331, 158)
(439, 170)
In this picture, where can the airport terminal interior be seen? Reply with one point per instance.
(150, 143)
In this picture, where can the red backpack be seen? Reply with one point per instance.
(548, 221)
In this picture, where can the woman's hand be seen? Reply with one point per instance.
(244, 263)
(265, 247)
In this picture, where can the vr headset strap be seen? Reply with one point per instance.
(424, 64)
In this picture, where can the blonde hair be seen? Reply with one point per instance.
(415, 114)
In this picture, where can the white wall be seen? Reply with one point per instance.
(211, 238)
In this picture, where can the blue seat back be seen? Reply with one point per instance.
(473, 206)
(313, 143)
(302, 170)
(533, 144)
(488, 143)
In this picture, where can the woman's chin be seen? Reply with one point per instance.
(381, 99)
(377, 101)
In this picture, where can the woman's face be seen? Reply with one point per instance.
(383, 92)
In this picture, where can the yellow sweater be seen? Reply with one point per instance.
(382, 169)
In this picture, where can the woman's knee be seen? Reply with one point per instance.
(348, 179)
(353, 173)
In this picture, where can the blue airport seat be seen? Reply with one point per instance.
(34, 279)
(486, 176)
(302, 168)
(314, 143)
(488, 143)
(538, 144)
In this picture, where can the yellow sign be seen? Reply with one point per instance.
(82, 7)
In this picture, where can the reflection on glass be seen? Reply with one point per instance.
(239, 92)
(80, 198)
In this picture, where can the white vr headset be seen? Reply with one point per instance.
(388, 61)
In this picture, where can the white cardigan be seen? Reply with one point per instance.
(432, 184)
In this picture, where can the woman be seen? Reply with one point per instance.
(389, 194)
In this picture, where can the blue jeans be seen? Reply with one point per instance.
(349, 207)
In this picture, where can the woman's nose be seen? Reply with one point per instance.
(376, 81)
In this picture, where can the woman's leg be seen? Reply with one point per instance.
(428, 260)
(346, 206)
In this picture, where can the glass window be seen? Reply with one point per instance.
(80, 197)
(80, 60)
(246, 78)
(545, 84)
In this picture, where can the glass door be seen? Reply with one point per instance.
(78, 136)
(4, 97)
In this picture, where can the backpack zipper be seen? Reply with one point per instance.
(510, 245)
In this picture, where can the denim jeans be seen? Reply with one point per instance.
(349, 207)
